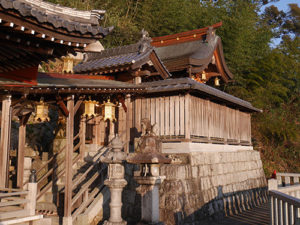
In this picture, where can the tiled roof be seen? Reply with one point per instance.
(125, 55)
(84, 22)
(132, 56)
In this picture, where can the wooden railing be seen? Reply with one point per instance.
(17, 205)
(53, 165)
(83, 185)
(286, 179)
(285, 199)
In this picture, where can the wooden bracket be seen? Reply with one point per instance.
(62, 106)
(24, 118)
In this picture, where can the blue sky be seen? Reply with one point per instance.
(283, 4)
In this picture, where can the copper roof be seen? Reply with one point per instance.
(206, 91)
(194, 50)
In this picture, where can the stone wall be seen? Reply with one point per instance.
(204, 185)
(201, 186)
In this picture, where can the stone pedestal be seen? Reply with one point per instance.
(115, 181)
(116, 187)
(149, 191)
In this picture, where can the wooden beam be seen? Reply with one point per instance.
(82, 135)
(128, 122)
(158, 66)
(69, 163)
(62, 107)
(77, 106)
(4, 142)
(21, 148)
(141, 73)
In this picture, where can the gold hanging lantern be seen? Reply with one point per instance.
(203, 75)
(217, 81)
(41, 112)
(109, 111)
(89, 108)
(68, 65)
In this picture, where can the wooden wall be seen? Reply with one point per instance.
(168, 112)
(218, 123)
(187, 117)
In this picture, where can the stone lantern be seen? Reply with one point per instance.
(115, 181)
(148, 155)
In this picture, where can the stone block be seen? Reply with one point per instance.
(206, 170)
(215, 158)
(196, 159)
(171, 202)
(195, 173)
(214, 170)
(214, 181)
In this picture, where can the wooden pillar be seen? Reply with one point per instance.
(187, 117)
(128, 122)
(4, 142)
(97, 130)
(67, 220)
(82, 135)
(21, 148)
(32, 193)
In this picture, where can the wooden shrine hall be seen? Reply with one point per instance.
(164, 79)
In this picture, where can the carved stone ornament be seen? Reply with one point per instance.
(148, 146)
(116, 155)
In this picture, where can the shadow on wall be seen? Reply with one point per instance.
(225, 204)
(184, 204)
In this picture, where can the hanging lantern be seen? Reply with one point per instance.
(41, 112)
(109, 111)
(89, 108)
(217, 81)
(203, 75)
(68, 64)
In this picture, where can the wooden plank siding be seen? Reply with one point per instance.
(191, 118)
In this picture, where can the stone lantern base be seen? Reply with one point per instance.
(149, 191)
(106, 222)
